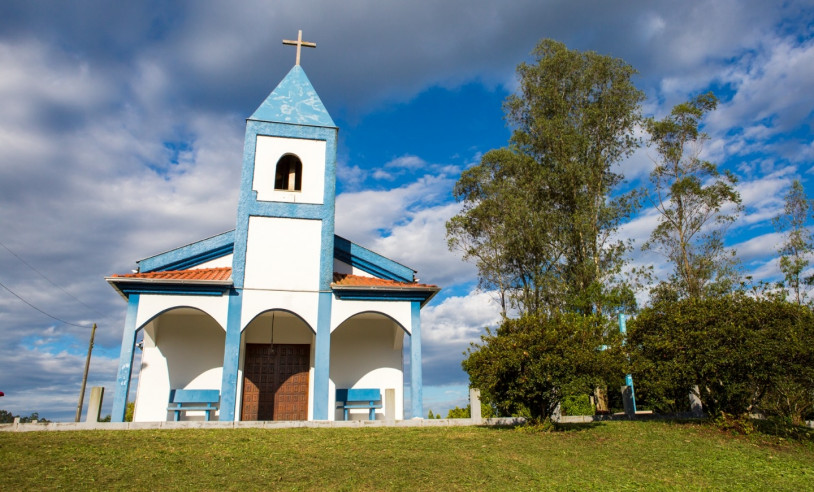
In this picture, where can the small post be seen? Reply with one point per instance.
(696, 407)
(627, 401)
(390, 404)
(474, 406)
(628, 377)
(97, 393)
(85, 375)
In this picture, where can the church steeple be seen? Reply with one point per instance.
(294, 101)
(285, 218)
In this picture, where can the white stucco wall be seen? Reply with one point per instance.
(283, 254)
(181, 351)
(342, 267)
(304, 304)
(151, 305)
(367, 353)
(223, 261)
(344, 309)
(268, 152)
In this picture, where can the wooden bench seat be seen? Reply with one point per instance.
(359, 398)
(184, 400)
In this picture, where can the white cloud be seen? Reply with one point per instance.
(447, 330)
(406, 162)
(460, 320)
(758, 247)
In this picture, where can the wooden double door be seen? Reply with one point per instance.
(275, 381)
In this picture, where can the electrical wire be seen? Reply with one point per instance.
(49, 280)
(40, 310)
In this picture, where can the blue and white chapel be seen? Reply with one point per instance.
(277, 317)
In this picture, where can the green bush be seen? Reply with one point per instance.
(577, 405)
(531, 363)
(745, 355)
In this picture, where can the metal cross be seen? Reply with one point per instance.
(299, 43)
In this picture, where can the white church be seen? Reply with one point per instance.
(279, 319)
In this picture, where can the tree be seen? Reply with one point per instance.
(694, 201)
(532, 363)
(538, 216)
(796, 251)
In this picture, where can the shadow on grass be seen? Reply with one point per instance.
(553, 427)
(783, 429)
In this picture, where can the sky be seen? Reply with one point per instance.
(121, 134)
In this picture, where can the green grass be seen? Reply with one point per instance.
(610, 455)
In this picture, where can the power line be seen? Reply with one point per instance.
(40, 310)
(49, 280)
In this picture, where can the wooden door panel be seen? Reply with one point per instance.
(275, 382)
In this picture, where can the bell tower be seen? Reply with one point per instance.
(285, 220)
(284, 236)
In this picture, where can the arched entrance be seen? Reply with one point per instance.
(366, 352)
(182, 348)
(276, 378)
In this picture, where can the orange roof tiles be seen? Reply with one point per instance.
(215, 274)
(225, 273)
(345, 280)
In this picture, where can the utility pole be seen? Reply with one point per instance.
(85, 375)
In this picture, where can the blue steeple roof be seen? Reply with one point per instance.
(294, 101)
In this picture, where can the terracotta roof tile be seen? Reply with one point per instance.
(219, 274)
(345, 280)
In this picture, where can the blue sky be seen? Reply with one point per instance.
(121, 135)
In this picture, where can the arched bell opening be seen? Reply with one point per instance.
(288, 173)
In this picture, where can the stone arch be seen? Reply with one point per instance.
(182, 348)
(278, 310)
(367, 352)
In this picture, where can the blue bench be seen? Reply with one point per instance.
(359, 398)
(184, 400)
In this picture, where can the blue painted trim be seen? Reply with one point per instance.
(248, 205)
(231, 357)
(416, 381)
(190, 255)
(174, 290)
(294, 101)
(125, 360)
(370, 262)
(378, 295)
(322, 358)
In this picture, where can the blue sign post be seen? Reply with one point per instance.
(629, 377)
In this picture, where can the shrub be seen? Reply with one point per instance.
(531, 363)
(577, 405)
(744, 354)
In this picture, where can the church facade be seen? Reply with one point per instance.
(280, 313)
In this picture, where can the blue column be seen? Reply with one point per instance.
(231, 357)
(125, 360)
(628, 377)
(415, 361)
(322, 357)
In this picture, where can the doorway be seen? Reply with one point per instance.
(275, 382)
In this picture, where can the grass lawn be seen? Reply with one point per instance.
(608, 455)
